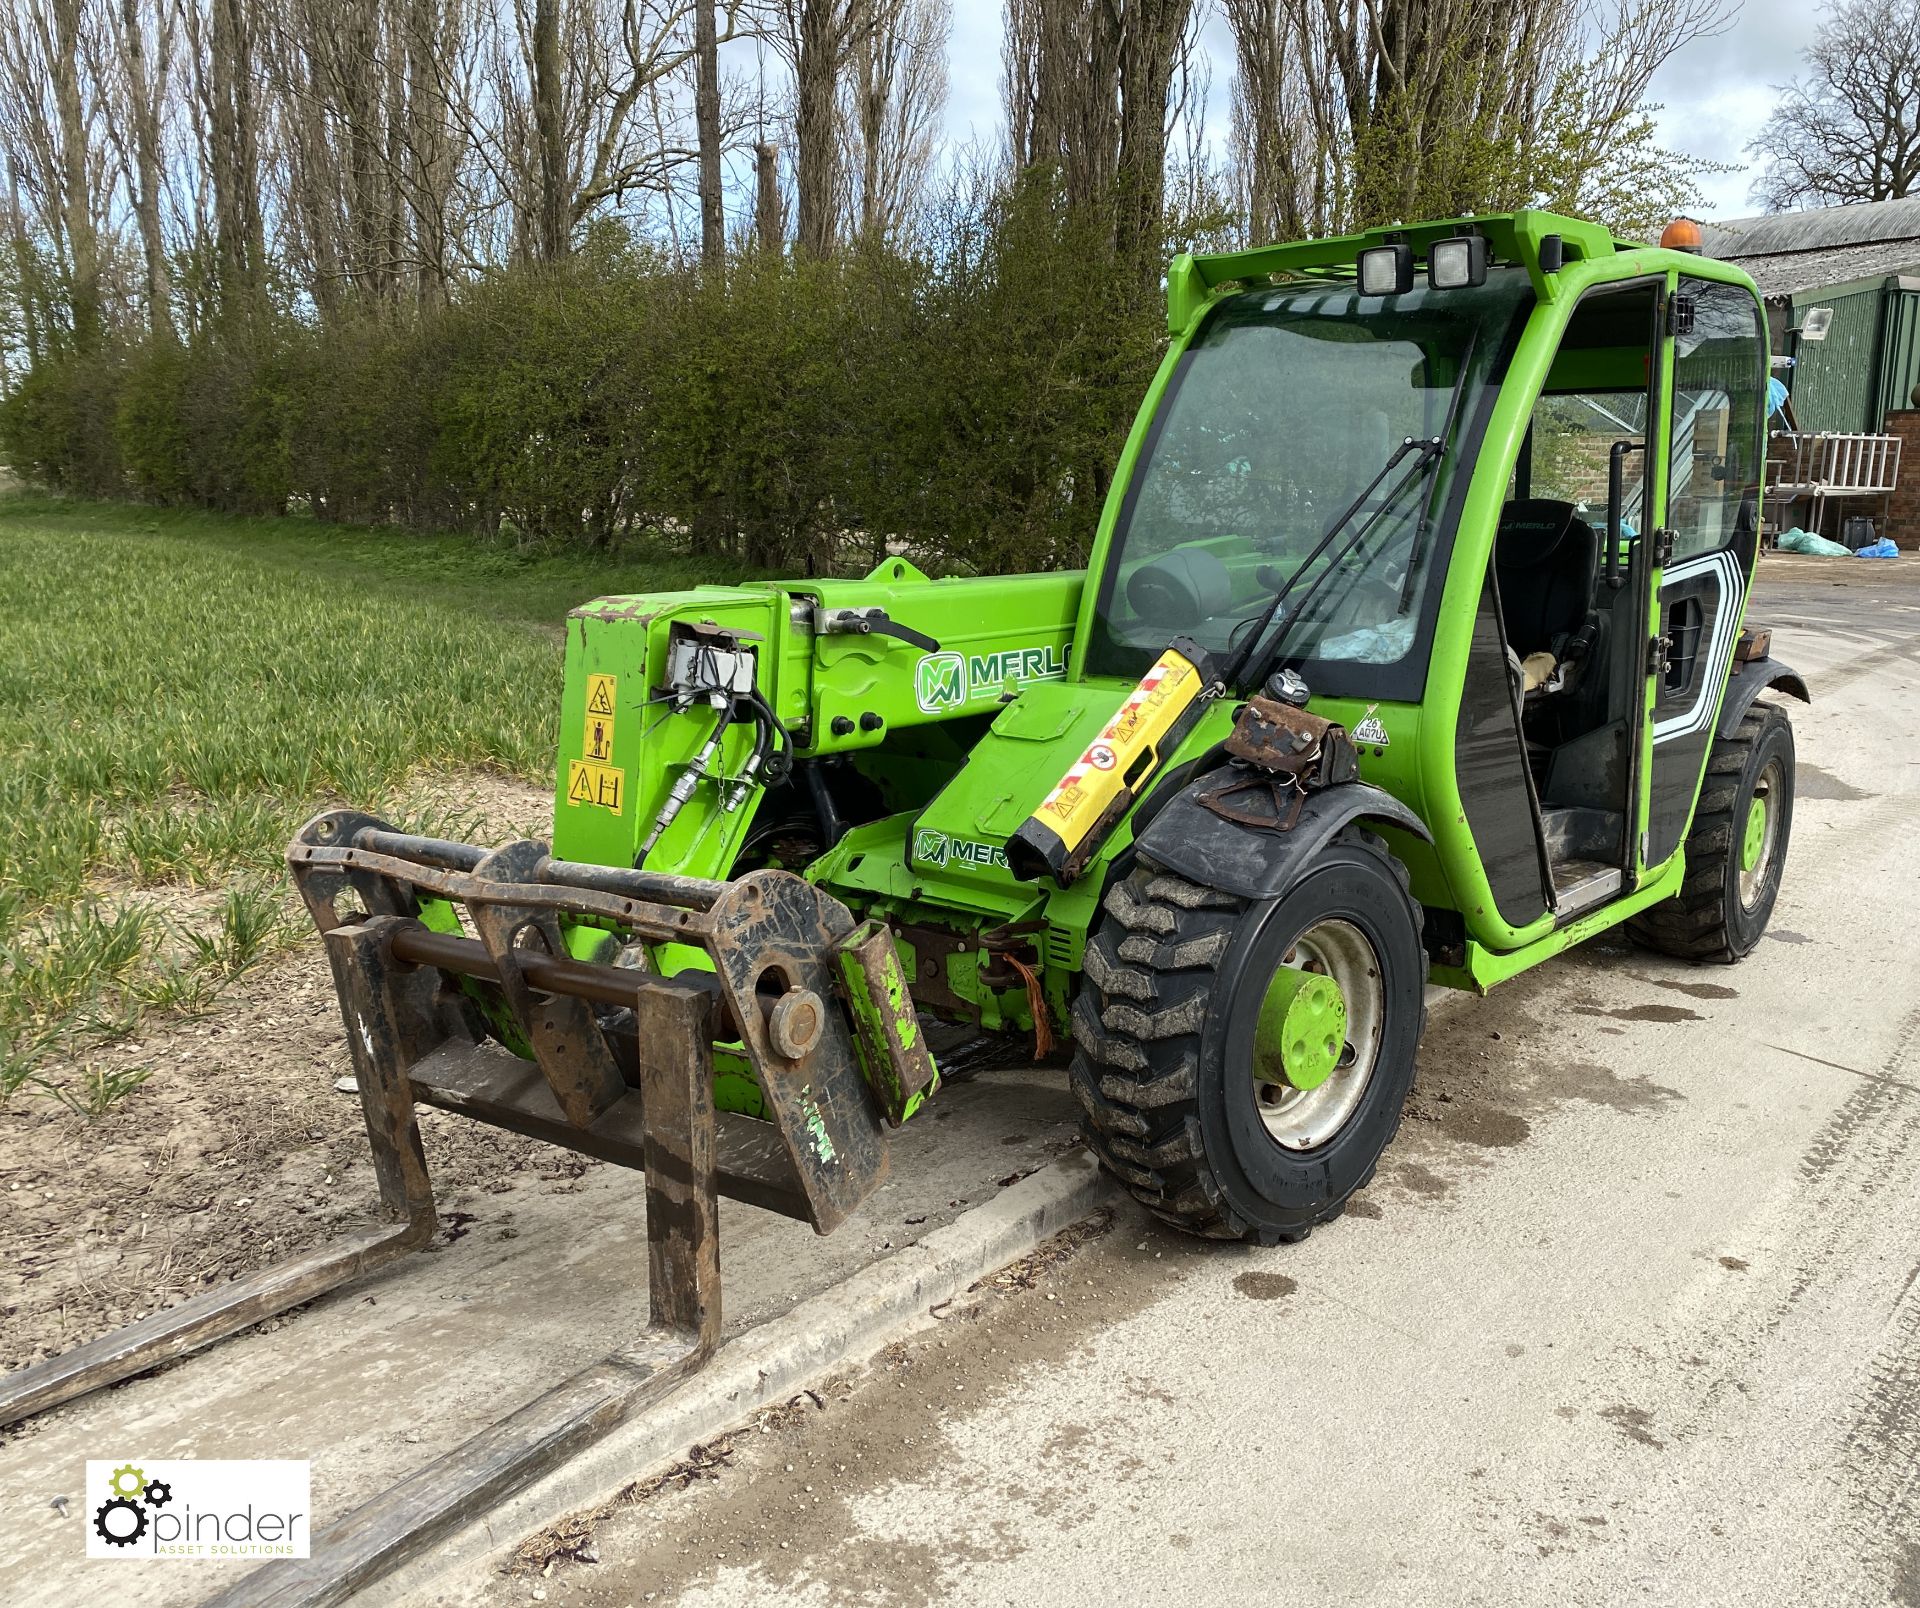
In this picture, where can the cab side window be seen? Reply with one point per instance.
(1572, 436)
(1719, 378)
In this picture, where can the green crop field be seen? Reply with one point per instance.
(178, 692)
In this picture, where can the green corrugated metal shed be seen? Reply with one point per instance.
(1868, 362)
(1863, 263)
(1900, 347)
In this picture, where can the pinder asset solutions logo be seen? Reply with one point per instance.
(198, 1508)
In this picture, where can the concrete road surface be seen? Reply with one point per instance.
(1631, 1314)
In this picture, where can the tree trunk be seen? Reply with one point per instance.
(706, 118)
(430, 162)
(23, 267)
(1148, 50)
(871, 89)
(816, 134)
(76, 195)
(146, 91)
(234, 157)
(769, 227)
(553, 214)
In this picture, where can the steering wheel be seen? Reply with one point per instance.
(1182, 590)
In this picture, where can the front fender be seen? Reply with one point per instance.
(1751, 679)
(1254, 862)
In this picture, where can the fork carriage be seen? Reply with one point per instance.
(444, 955)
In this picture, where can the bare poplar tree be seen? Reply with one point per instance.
(1284, 134)
(576, 116)
(224, 39)
(438, 60)
(819, 38)
(145, 39)
(51, 115)
(1062, 89)
(896, 93)
(1087, 86)
(769, 217)
(1150, 45)
(553, 172)
(1354, 112)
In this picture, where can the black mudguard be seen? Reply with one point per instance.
(1751, 679)
(1254, 862)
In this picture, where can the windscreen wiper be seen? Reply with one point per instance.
(1429, 450)
(1424, 451)
(1418, 550)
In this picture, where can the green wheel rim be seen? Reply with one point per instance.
(1317, 1036)
(1760, 833)
(1755, 837)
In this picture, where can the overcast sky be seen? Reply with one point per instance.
(1715, 92)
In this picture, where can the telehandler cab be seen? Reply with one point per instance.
(1410, 649)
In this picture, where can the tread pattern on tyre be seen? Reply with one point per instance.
(1693, 924)
(1150, 971)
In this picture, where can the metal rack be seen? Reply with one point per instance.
(1821, 467)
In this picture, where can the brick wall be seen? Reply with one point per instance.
(1903, 513)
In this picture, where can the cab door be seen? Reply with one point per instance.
(1701, 559)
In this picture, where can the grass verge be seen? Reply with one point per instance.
(179, 691)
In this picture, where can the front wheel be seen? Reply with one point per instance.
(1241, 1065)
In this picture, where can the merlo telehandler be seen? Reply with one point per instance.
(1410, 649)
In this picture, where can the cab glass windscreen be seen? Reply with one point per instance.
(1286, 407)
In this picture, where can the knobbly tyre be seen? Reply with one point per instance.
(1411, 648)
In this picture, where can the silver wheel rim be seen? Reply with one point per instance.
(1770, 787)
(1305, 1119)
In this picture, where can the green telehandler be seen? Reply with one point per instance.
(1410, 650)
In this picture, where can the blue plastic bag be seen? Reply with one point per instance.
(1880, 549)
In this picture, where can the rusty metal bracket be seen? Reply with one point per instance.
(1279, 753)
(566, 1041)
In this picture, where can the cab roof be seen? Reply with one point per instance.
(1530, 238)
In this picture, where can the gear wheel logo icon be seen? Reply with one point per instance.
(159, 1494)
(119, 1534)
(127, 1482)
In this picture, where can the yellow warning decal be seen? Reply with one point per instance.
(1112, 762)
(597, 785)
(598, 745)
(600, 696)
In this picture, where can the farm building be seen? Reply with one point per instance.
(1842, 286)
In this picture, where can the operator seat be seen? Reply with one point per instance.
(1547, 559)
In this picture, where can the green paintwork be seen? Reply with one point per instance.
(1485, 967)
(883, 1016)
(1004, 632)
(1754, 839)
(1301, 1030)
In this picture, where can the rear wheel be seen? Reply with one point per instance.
(1242, 1065)
(1736, 849)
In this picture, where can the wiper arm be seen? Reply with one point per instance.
(1427, 450)
(1418, 551)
